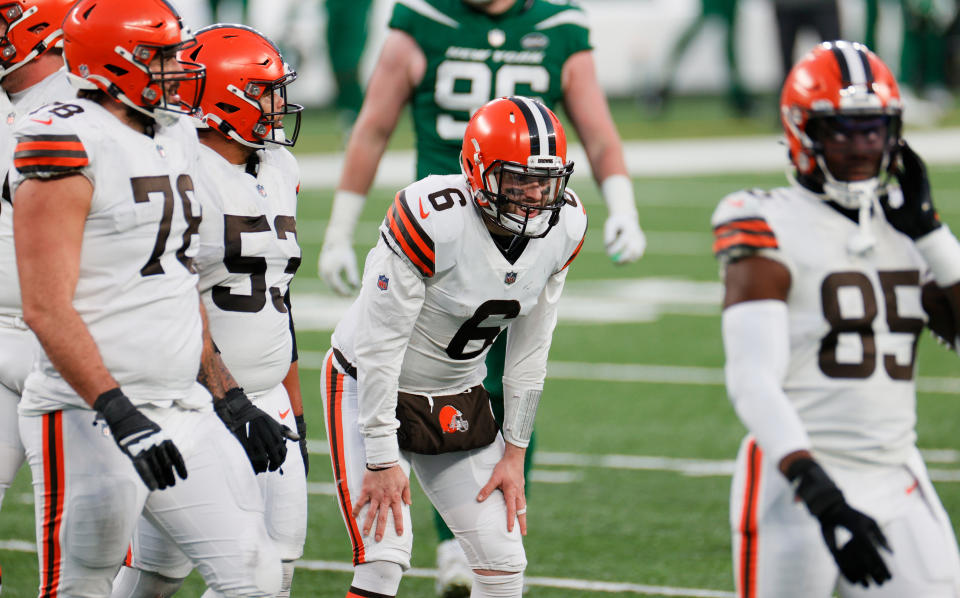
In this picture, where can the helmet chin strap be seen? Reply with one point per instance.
(855, 195)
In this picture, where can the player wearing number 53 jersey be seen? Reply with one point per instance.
(460, 259)
(829, 282)
(248, 254)
(112, 418)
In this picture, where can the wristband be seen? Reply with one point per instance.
(617, 192)
(380, 466)
(941, 250)
(344, 215)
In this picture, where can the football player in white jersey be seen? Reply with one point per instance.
(31, 75)
(248, 254)
(112, 414)
(828, 283)
(461, 258)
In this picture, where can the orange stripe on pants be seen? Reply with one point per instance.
(748, 524)
(53, 493)
(334, 381)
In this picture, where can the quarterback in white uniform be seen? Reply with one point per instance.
(32, 77)
(460, 259)
(247, 186)
(828, 284)
(112, 417)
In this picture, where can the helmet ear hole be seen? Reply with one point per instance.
(116, 70)
(228, 108)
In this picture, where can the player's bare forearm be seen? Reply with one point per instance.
(292, 385)
(213, 374)
(586, 104)
(398, 70)
(48, 236)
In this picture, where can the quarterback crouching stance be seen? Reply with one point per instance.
(829, 282)
(460, 259)
(248, 254)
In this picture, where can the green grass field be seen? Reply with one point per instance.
(591, 521)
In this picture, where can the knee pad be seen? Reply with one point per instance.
(101, 516)
(381, 577)
(134, 583)
(497, 586)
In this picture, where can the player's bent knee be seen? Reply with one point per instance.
(496, 584)
(380, 577)
(96, 535)
(135, 583)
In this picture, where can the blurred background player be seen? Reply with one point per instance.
(724, 11)
(346, 40)
(794, 16)
(447, 58)
(247, 257)
(31, 75)
(461, 258)
(112, 417)
(828, 283)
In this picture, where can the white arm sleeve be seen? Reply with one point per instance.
(386, 322)
(528, 343)
(756, 340)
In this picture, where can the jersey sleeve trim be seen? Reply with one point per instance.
(567, 17)
(576, 252)
(743, 235)
(416, 244)
(38, 154)
(424, 9)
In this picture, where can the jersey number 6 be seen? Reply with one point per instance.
(471, 330)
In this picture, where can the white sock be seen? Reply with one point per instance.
(497, 586)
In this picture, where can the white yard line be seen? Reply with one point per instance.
(584, 585)
(654, 374)
(661, 158)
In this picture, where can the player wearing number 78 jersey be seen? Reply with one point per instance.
(829, 282)
(460, 259)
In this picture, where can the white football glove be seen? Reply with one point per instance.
(338, 262)
(622, 236)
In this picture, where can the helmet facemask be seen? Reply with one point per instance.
(524, 200)
(176, 90)
(263, 96)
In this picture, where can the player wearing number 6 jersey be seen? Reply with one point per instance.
(829, 282)
(248, 254)
(112, 418)
(460, 259)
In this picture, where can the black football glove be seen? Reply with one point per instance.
(302, 433)
(917, 216)
(859, 560)
(154, 456)
(264, 440)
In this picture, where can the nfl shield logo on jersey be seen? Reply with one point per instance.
(382, 282)
(262, 190)
(510, 278)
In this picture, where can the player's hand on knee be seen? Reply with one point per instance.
(508, 477)
(386, 489)
(859, 558)
(154, 455)
(262, 437)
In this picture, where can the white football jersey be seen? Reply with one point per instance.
(248, 255)
(137, 284)
(54, 87)
(437, 291)
(854, 318)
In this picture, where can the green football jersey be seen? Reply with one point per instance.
(473, 57)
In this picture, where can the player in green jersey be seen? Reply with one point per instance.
(447, 58)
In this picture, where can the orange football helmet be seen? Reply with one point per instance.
(514, 156)
(33, 27)
(245, 97)
(126, 49)
(838, 80)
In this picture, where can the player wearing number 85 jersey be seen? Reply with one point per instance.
(828, 283)
(112, 418)
(460, 259)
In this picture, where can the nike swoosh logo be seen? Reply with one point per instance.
(423, 214)
(43, 122)
(284, 414)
